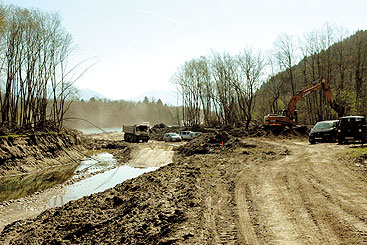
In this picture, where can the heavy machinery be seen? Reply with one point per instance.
(136, 133)
(288, 117)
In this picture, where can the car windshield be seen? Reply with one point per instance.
(352, 121)
(323, 125)
(173, 134)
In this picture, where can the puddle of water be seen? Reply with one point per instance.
(98, 130)
(96, 163)
(97, 183)
(15, 187)
(23, 185)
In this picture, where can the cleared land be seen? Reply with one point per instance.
(248, 191)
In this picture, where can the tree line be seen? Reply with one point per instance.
(36, 84)
(224, 89)
(220, 89)
(106, 113)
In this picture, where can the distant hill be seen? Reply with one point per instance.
(86, 94)
(167, 97)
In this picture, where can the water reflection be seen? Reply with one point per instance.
(20, 186)
(96, 163)
(97, 183)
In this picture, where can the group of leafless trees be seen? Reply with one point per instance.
(34, 80)
(222, 89)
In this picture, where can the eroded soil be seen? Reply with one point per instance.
(244, 191)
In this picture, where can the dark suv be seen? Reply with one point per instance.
(324, 131)
(352, 128)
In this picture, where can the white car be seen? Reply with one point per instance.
(171, 137)
(185, 135)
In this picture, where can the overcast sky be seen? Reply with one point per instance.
(140, 43)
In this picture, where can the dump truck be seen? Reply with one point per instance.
(136, 133)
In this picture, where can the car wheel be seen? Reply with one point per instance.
(333, 139)
(312, 141)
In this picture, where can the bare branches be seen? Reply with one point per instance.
(220, 89)
(34, 51)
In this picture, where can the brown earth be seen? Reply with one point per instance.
(21, 154)
(242, 191)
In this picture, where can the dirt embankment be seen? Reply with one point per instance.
(21, 154)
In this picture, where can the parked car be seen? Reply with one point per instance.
(193, 135)
(324, 131)
(171, 137)
(352, 128)
(185, 135)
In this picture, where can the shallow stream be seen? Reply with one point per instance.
(98, 173)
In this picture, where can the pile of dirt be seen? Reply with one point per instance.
(208, 143)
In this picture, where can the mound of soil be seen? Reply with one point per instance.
(208, 143)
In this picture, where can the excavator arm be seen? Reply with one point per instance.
(319, 83)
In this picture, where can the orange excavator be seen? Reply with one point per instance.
(288, 117)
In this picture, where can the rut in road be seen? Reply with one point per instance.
(307, 197)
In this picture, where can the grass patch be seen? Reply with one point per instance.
(356, 151)
(11, 136)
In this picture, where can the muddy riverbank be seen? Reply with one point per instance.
(21, 154)
(107, 163)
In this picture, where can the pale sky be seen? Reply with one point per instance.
(141, 43)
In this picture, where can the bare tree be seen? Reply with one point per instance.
(251, 65)
(285, 54)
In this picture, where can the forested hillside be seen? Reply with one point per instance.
(343, 64)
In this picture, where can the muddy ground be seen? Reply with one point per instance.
(242, 191)
(134, 155)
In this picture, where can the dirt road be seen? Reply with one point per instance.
(307, 197)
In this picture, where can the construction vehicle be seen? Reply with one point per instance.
(289, 118)
(136, 133)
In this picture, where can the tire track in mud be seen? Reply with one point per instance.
(307, 197)
(219, 208)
